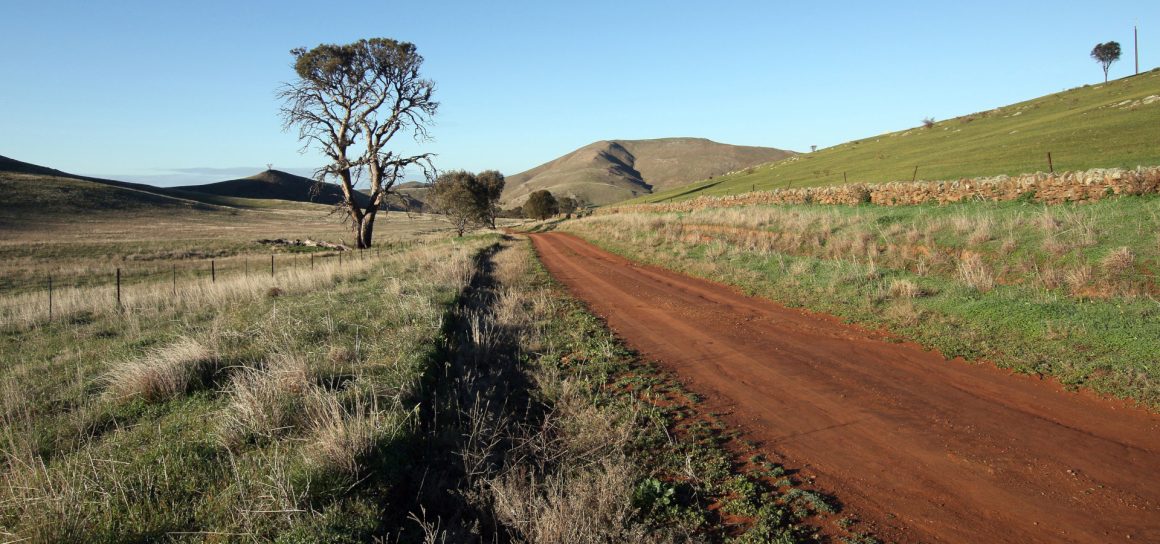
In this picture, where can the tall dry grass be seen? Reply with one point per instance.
(288, 413)
(30, 309)
(162, 373)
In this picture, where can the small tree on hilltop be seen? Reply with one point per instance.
(349, 101)
(466, 199)
(1106, 54)
(541, 205)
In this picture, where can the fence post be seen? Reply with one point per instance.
(118, 289)
(915, 176)
(174, 279)
(843, 177)
(50, 297)
(1050, 166)
(312, 261)
(212, 271)
(271, 265)
(340, 259)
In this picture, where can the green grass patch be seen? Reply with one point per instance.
(1094, 126)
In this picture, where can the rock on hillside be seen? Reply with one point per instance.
(609, 171)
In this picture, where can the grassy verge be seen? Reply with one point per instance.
(290, 415)
(1068, 291)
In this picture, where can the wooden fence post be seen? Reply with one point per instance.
(50, 297)
(1050, 166)
(915, 176)
(212, 271)
(175, 280)
(118, 289)
(271, 265)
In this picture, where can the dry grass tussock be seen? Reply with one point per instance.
(591, 505)
(904, 289)
(31, 308)
(162, 373)
(266, 402)
(974, 272)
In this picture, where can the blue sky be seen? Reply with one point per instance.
(183, 92)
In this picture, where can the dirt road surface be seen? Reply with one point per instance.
(924, 449)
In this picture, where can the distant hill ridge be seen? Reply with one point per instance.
(609, 171)
(275, 184)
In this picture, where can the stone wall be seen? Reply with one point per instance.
(1040, 187)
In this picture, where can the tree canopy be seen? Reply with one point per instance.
(465, 199)
(349, 101)
(541, 205)
(1106, 54)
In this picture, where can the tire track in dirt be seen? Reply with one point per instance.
(923, 448)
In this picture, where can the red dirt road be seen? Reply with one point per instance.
(923, 448)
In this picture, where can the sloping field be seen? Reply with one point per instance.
(1097, 126)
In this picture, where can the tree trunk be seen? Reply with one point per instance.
(364, 231)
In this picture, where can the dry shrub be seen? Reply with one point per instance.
(1077, 278)
(981, 234)
(1081, 226)
(1048, 222)
(1050, 277)
(588, 505)
(904, 313)
(266, 402)
(162, 373)
(800, 268)
(1118, 261)
(340, 436)
(975, 273)
(716, 250)
(1052, 245)
(902, 288)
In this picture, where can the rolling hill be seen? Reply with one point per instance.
(1094, 126)
(613, 170)
(274, 184)
(37, 190)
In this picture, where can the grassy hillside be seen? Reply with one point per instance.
(274, 185)
(34, 188)
(609, 171)
(1096, 126)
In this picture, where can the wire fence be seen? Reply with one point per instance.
(114, 284)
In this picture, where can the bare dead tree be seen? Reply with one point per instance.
(350, 101)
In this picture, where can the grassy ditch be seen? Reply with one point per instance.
(1068, 291)
(548, 430)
